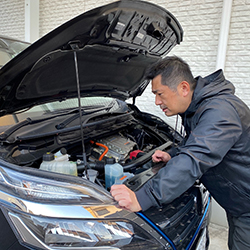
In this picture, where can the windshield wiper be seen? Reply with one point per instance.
(73, 110)
(72, 118)
(4, 135)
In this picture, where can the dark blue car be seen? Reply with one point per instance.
(65, 115)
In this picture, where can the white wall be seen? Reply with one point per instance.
(200, 20)
(12, 18)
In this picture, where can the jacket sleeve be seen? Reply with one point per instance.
(217, 129)
(173, 151)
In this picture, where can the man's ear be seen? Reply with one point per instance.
(184, 88)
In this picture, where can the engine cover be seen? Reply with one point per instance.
(119, 147)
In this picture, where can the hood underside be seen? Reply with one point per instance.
(106, 50)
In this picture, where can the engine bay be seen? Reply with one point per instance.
(128, 138)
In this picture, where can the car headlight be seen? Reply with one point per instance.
(56, 233)
(47, 190)
(63, 212)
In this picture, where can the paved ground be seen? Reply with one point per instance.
(218, 237)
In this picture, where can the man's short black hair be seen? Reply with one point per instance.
(173, 71)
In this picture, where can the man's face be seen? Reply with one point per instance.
(171, 102)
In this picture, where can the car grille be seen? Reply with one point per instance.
(177, 220)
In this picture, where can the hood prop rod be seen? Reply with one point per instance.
(75, 47)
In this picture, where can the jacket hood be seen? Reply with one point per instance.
(107, 49)
(212, 85)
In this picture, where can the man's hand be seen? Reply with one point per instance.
(160, 156)
(125, 197)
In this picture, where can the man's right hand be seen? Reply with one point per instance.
(125, 197)
(160, 156)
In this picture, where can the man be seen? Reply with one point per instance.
(216, 148)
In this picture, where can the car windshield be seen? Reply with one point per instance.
(9, 48)
(88, 104)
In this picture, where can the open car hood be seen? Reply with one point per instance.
(106, 50)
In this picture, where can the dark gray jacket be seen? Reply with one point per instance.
(216, 150)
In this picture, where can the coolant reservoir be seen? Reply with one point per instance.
(113, 172)
(64, 167)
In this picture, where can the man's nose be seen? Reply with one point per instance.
(158, 100)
